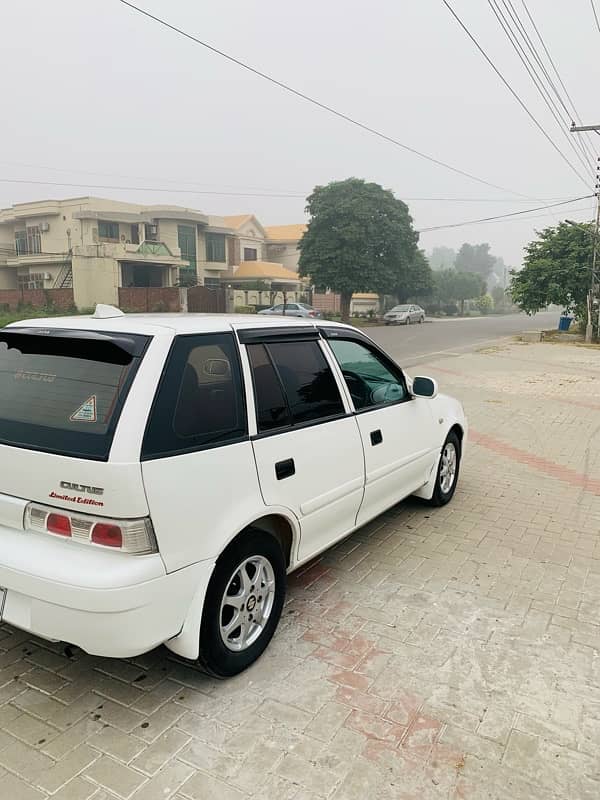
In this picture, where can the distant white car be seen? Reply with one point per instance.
(404, 315)
(161, 473)
(291, 310)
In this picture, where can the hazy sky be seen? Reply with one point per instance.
(90, 86)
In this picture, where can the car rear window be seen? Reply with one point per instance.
(62, 391)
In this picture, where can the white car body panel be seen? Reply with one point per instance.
(115, 604)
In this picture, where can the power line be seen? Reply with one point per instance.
(512, 91)
(585, 141)
(243, 194)
(504, 216)
(595, 14)
(286, 87)
(148, 189)
(513, 37)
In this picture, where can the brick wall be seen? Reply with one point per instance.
(150, 299)
(37, 298)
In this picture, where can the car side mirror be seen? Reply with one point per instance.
(424, 387)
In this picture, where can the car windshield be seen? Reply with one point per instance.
(401, 308)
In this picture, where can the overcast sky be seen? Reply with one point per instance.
(90, 86)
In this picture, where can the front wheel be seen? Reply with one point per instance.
(447, 474)
(421, 320)
(243, 604)
(408, 320)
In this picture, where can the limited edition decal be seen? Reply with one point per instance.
(86, 411)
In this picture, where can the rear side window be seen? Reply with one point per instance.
(293, 384)
(62, 391)
(200, 401)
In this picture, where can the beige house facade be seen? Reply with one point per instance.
(97, 246)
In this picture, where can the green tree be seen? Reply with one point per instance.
(556, 269)
(499, 297)
(442, 258)
(458, 286)
(484, 303)
(359, 238)
(416, 280)
(475, 258)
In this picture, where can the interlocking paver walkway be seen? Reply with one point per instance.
(450, 653)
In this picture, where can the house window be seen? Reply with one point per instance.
(31, 280)
(212, 283)
(21, 243)
(29, 241)
(135, 234)
(215, 247)
(108, 231)
(250, 254)
(34, 240)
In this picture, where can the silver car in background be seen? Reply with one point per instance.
(292, 310)
(404, 315)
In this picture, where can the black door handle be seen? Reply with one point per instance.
(285, 469)
(376, 437)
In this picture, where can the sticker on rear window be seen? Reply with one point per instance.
(86, 412)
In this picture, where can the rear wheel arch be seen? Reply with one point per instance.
(458, 430)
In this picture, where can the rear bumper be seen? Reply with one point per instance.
(114, 605)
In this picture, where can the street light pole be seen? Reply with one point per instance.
(589, 328)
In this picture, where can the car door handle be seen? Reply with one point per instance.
(285, 469)
(376, 437)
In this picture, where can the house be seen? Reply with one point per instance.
(282, 244)
(264, 283)
(364, 304)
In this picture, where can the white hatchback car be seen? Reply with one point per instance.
(162, 473)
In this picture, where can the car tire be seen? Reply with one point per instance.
(421, 320)
(408, 321)
(225, 650)
(449, 460)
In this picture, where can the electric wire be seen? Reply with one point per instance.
(286, 87)
(513, 92)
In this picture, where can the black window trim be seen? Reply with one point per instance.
(291, 426)
(180, 451)
(291, 333)
(352, 336)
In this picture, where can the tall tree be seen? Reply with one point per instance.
(416, 280)
(556, 269)
(442, 258)
(452, 286)
(359, 238)
(475, 258)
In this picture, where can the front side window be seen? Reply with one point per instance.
(293, 384)
(109, 231)
(371, 382)
(62, 391)
(215, 247)
(200, 399)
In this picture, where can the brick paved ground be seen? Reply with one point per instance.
(434, 654)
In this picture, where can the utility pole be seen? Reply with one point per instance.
(591, 298)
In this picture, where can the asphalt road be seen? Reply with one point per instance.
(416, 344)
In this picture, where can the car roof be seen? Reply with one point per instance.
(157, 324)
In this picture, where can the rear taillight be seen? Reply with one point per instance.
(134, 536)
(311, 313)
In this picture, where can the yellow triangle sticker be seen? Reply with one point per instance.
(86, 411)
